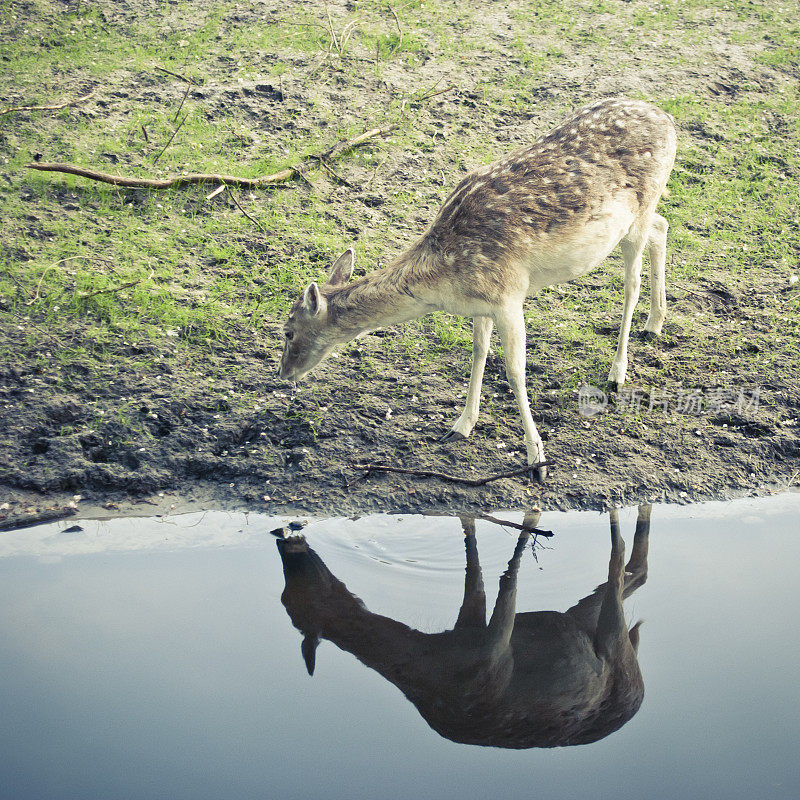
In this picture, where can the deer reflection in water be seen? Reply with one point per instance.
(533, 679)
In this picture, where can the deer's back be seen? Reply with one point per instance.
(576, 190)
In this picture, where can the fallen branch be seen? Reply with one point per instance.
(443, 476)
(47, 108)
(338, 150)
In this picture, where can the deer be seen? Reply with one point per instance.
(520, 680)
(542, 215)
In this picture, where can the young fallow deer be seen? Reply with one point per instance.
(541, 215)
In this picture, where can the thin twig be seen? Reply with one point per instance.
(116, 288)
(239, 206)
(339, 42)
(347, 32)
(346, 145)
(183, 100)
(26, 322)
(39, 285)
(399, 30)
(166, 183)
(334, 152)
(435, 94)
(47, 108)
(514, 525)
(303, 24)
(427, 473)
(299, 172)
(176, 75)
(52, 266)
(146, 137)
(357, 479)
(375, 172)
(329, 169)
(174, 134)
(334, 42)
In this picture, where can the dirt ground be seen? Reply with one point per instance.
(211, 425)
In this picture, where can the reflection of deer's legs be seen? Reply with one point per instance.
(588, 611)
(611, 621)
(501, 624)
(473, 609)
(637, 564)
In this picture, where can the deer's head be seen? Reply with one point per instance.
(309, 335)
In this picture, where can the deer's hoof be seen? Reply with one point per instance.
(540, 474)
(453, 436)
(649, 336)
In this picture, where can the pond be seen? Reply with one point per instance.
(451, 657)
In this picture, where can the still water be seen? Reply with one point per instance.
(170, 658)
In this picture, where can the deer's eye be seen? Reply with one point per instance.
(289, 335)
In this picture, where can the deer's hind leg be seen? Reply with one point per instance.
(657, 249)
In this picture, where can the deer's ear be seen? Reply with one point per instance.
(313, 301)
(342, 268)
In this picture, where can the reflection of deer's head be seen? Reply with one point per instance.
(535, 679)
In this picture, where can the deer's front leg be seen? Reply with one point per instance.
(511, 326)
(481, 334)
(632, 255)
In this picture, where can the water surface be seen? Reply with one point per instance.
(154, 658)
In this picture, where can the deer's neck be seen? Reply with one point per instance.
(382, 298)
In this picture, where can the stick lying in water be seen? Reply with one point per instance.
(515, 525)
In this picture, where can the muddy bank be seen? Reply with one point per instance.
(117, 397)
(140, 434)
